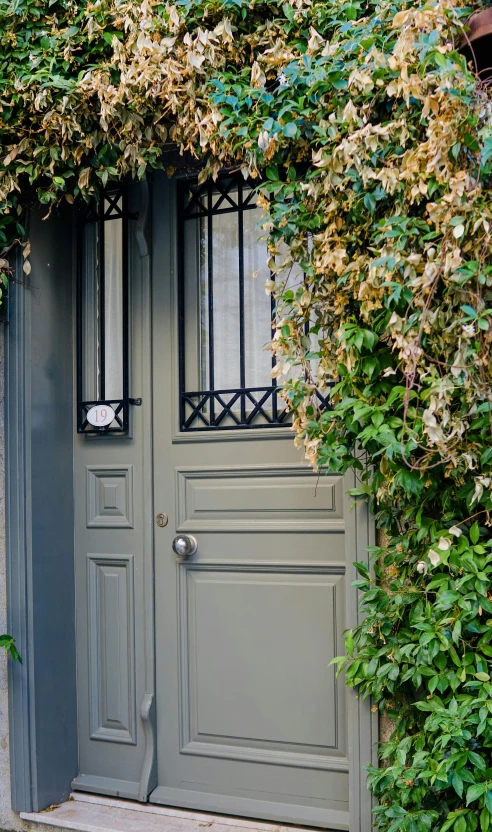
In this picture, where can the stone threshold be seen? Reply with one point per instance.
(91, 813)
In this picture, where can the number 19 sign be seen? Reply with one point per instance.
(101, 415)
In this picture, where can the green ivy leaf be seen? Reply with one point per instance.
(486, 150)
(370, 202)
(290, 130)
(457, 783)
(475, 791)
(349, 644)
(288, 11)
(475, 533)
(460, 824)
(410, 482)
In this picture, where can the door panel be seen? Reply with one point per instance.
(253, 498)
(111, 648)
(233, 619)
(250, 719)
(113, 546)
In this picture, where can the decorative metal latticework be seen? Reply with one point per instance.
(226, 195)
(217, 406)
(111, 206)
(257, 407)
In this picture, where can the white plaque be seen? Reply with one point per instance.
(101, 415)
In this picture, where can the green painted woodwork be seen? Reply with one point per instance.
(241, 713)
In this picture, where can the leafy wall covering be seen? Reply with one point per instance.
(376, 144)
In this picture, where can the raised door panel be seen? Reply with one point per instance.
(256, 643)
(276, 497)
(111, 648)
(109, 497)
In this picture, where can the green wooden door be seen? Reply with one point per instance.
(250, 719)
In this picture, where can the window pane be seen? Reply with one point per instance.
(217, 278)
(291, 277)
(102, 316)
(227, 313)
(90, 314)
(113, 308)
(257, 304)
(195, 286)
(225, 284)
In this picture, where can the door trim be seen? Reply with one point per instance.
(17, 345)
(141, 300)
(39, 520)
(363, 722)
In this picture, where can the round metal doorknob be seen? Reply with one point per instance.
(185, 545)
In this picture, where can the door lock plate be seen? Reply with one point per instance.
(162, 519)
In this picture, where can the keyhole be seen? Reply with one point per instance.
(162, 519)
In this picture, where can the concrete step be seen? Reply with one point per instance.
(90, 813)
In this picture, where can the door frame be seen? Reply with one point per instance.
(31, 747)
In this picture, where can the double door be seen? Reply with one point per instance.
(204, 675)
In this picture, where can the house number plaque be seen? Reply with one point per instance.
(101, 415)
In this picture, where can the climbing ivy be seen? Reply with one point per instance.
(8, 644)
(371, 142)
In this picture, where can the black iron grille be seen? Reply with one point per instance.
(218, 406)
(112, 205)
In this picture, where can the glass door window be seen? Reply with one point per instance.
(225, 313)
(103, 314)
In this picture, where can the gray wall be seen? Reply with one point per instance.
(39, 398)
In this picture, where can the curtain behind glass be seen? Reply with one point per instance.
(214, 286)
(257, 304)
(113, 308)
